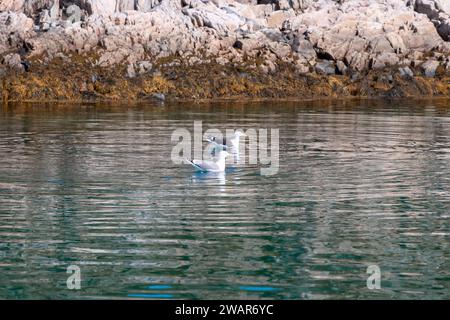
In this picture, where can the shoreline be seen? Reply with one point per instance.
(241, 100)
(76, 81)
(170, 50)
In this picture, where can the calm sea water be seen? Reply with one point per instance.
(360, 183)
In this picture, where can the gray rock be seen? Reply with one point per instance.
(416, 63)
(384, 59)
(45, 20)
(11, 5)
(358, 61)
(159, 97)
(131, 73)
(144, 66)
(304, 47)
(437, 13)
(146, 5)
(325, 67)
(341, 67)
(14, 62)
(429, 68)
(355, 76)
(406, 72)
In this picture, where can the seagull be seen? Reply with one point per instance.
(223, 143)
(209, 165)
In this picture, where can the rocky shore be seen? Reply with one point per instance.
(204, 49)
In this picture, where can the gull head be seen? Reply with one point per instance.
(240, 134)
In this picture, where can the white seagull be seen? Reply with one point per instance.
(223, 143)
(209, 165)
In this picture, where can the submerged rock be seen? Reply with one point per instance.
(159, 97)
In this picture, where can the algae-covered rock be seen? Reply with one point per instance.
(357, 36)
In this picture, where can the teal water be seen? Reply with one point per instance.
(360, 183)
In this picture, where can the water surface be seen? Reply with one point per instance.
(360, 183)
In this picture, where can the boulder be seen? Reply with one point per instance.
(276, 18)
(131, 73)
(98, 7)
(250, 42)
(406, 72)
(144, 66)
(429, 68)
(383, 60)
(437, 13)
(280, 49)
(159, 97)
(341, 67)
(325, 67)
(304, 48)
(358, 61)
(12, 5)
(14, 62)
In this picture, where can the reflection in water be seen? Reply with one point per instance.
(151, 295)
(209, 178)
(359, 183)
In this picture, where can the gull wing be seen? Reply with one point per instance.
(205, 165)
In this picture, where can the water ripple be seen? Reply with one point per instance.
(359, 183)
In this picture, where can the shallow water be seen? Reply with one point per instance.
(360, 183)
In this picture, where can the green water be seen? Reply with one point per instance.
(360, 183)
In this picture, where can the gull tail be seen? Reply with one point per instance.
(194, 165)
